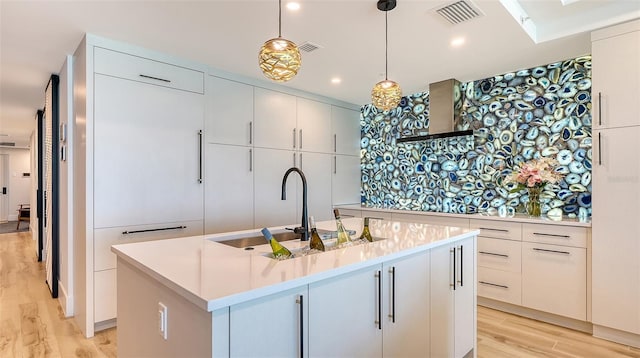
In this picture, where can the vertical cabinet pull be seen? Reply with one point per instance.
(300, 139)
(294, 159)
(200, 156)
(300, 160)
(300, 301)
(335, 164)
(599, 148)
(453, 282)
(251, 132)
(250, 160)
(392, 273)
(294, 138)
(335, 143)
(379, 303)
(461, 265)
(599, 108)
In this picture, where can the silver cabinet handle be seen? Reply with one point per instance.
(492, 229)
(335, 164)
(154, 78)
(599, 108)
(151, 230)
(294, 159)
(250, 160)
(200, 156)
(552, 251)
(493, 254)
(294, 138)
(599, 148)
(300, 301)
(453, 284)
(392, 274)
(461, 248)
(300, 160)
(300, 138)
(251, 132)
(335, 143)
(378, 321)
(552, 235)
(493, 284)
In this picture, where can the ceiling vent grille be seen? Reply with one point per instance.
(459, 11)
(309, 47)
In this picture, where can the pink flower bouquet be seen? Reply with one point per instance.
(535, 173)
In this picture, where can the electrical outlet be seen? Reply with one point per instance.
(162, 320)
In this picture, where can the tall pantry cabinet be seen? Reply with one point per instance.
(139, 119)
(616, 183)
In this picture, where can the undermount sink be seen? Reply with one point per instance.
(245, 242)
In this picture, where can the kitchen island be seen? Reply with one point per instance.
(412, 292)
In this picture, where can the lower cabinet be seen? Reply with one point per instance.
(274, 326)
(453, 299)
(105, 293)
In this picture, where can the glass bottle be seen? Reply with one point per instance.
(366, 234)
(343, 236)
(279, 251)
(316, 242)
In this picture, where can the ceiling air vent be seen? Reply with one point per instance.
(459, 11)
(309, 47)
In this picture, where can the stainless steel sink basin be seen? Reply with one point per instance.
(281, 237)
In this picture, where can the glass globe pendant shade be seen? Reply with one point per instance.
(386, 95)
(279, 59)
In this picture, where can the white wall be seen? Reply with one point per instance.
(19, 187)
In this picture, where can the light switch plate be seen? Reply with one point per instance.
(162, 320)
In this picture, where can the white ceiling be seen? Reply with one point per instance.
(35, 36)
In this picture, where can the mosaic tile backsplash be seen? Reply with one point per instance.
(539, 112)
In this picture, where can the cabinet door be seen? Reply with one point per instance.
(228, 203)
(554, 279)
(272, 326)
(406, 307)
(344, 313)
(105, 304)
(442, 305)
(465, 298)
(346, 131)
(314, 126)
(317, 170)
(269, 209)
(229, 112)
(146, 155)
(616, 80)
(274, 120)
(345, 180)
(616, 229)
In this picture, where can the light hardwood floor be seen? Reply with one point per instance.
(32, 323)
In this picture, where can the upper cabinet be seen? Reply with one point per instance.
(345, 125)
(275, 120)
(616, 76)
(229, 112)
(314, 126)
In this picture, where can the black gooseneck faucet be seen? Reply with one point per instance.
(304, 228)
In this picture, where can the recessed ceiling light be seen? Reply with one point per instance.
(292, 5)
(457, 42)
(336, 80)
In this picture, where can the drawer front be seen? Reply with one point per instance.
(498, 229)
(349, 213)
(499, 254)
(376, 215)
(554, 279)
(432, 220)
(555, 235)
(104, 259)
(105, 295)
(500, 285)
(141, 69)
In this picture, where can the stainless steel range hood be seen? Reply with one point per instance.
(444, 112)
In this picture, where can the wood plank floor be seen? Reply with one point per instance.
(32, 323)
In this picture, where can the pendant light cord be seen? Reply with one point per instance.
(279, 18)
(386, 44)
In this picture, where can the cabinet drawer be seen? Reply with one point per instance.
(498, 229)
(499, 254)
(141, 69)
(555, 235)
(350, 213)
(105, 295)
(103, 238)
(432, 220)
(377, 215)
(554, 279)
(500, 285)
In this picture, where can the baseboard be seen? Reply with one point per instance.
(614, 335)
(12, 217)
(566, 322)
(100, 326)
(66, 301)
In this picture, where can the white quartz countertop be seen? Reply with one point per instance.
(523, 218)
(213, 275)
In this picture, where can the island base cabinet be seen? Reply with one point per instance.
(189, 328)
(273, 326)
(344, 315)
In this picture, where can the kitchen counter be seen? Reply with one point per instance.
(212, 275)
(523, 218)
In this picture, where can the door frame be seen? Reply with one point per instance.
(4, 186)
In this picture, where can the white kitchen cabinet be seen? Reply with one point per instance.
(105, 305)
(405, 307)
(505, 286)
(616, 76)
(270, 165)
(453, 295)
(554, 279)
(274, 120)
(313, 126)
(433, 220)
(345, 315)
(345, 181)
(272, 326)
(229, 112)
(499, 254)
(147, 163)
(229, 194)
(317, 169)
(507, 230)
(346, 131)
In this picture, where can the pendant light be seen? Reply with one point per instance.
(279, 58)
(386, 94)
